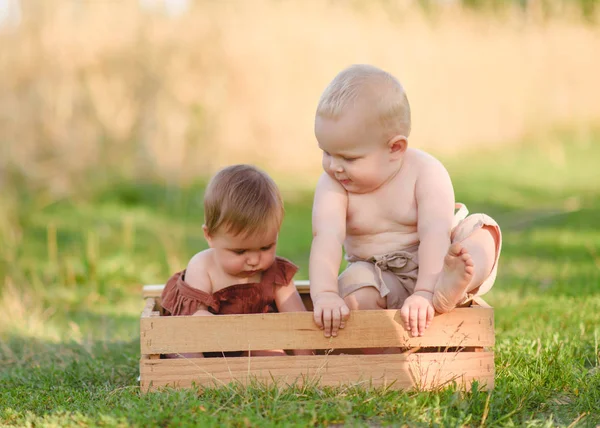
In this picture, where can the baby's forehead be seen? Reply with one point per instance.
(245, 238)
(352, 128)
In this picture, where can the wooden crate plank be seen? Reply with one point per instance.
(152, 290)
(150, 313)
(421, 371)
(303, 286)
(148, 307)
(473, 326)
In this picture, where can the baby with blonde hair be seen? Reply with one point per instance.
(392, 209)
(239, 273)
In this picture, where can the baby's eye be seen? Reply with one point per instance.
(239, 252)
(267, 248)
(349, 159)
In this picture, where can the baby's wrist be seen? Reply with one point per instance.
(324, 293)
(427, 291)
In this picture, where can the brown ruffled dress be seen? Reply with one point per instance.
(179, 298)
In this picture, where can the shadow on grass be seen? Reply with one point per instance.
(42, 376)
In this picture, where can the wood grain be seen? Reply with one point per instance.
(472, 326)
(414, 371)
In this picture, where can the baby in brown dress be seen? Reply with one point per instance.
(239, 273)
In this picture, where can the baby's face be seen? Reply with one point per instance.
(244, 256)
(355, 152)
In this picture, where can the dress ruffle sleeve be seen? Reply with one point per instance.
(284, 271)
(179, 298)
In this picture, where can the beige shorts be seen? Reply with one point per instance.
(394, 275)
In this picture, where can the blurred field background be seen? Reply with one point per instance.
(107, 89)
(113, 113)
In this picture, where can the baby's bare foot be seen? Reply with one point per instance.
(454, 279)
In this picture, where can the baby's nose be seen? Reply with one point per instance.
(253, 259)
(336, 165)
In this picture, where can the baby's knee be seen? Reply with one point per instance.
(365, 298)
(356, 277)
(494, 233)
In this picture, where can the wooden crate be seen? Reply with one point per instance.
(455, 348)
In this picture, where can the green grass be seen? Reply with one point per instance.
(71, 272)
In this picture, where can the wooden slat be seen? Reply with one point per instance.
(303, 286)
(472, 326)
(150, 313)
(155, 290)
(152, 290)
(421, 371)
(148, 307)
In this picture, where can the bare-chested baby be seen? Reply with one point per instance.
(392, 209)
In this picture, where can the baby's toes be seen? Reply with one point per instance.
(468, 260)
(455, 249)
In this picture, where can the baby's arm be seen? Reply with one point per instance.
(435, 212)
(288, 299)
(329, 231)
(196, 275)
(435, 208)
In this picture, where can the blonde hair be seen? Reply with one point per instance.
(242, 198)
(379, 88)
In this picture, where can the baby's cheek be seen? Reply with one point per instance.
(233, 264)
(270, 258)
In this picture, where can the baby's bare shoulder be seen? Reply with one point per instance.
(423, 161)
(197, 272)
(427, 169)
(328, 183)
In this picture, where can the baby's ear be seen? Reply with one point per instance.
(207, 235)
(398, 144)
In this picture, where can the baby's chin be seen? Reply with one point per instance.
(352, 187)
(248, 274)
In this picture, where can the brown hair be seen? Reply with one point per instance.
(243, 199)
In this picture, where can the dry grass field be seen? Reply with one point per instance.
(105, 87)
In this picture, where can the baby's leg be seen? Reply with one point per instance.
(359, 286)
(365, 298)
(363, 279)
(467, 266)
(481, 245)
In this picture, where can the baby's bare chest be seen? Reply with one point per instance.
(391, 209)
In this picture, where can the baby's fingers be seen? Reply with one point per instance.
(430, 315)
(413, 319)
(422, 320)
(336, 318)
(345, 312)
(318, 316)
(404, 312)
(327, 318)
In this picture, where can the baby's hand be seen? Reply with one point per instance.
(417, 312)
(330, 312)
